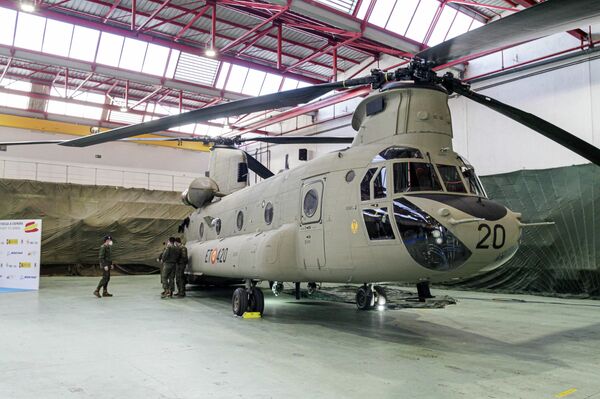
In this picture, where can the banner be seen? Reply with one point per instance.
(20, 248)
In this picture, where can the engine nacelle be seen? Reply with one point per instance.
(200, 192)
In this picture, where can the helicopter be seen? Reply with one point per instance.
(398, 204)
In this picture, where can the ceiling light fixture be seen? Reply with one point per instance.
(27, 6)
(123, 109)
(210, 52)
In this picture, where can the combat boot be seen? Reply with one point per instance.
(170, 293)
(97, 293)
(105, 293)
(164, 294)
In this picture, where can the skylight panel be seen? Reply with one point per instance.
(133, 55)
(381, 13)
(362, 11)
(173, 60)
(289, 84)
(237, 77)
(442, 26)
(342, 5)
(109, 51)
(196, 69)
(201, 129)
(422, 19)
(401, 16)
(17, 85)
(56, 107)
(15, 100)
(186, 128)
(7, 27)
(222, 75)
(214, 131)
(254, 82)
(271, 84)
(84, 43)
(57, 39)
(30, 31)
(461, 25)
(156, 60)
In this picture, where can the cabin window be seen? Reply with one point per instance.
(415, 176)
(451, 177)
(380, 184)
(473, 181)
(378, 224)
(217, 223)
(201, 231)
(365, 185)
(311, 202)
(240, 220)
(269, 213)
(396, 153)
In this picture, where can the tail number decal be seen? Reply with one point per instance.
(498, 236)
(216, 255)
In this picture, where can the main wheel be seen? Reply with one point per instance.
(257, 301)
(364, 298)
(239, 302)
(312, 287)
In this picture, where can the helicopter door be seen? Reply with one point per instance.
(311, 237)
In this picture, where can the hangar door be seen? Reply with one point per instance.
(311, 236)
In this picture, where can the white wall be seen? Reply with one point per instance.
(120, 164)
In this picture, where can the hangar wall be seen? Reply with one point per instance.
(118, 164)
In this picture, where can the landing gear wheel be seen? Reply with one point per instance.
(257, 301)
(239, 302)
(312, 288)
(364, 298)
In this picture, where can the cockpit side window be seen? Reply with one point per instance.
(415, 176)
(396, 153)
(473, 181)
(380, 184)
(451, 178)
(365, 185)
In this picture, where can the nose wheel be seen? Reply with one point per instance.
(247, 299)
(368, 297)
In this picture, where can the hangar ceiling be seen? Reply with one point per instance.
(125, 61)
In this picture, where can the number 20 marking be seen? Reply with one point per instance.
(498, 240)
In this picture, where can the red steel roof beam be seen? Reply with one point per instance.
(112, 9)
(242, 38)
(255, 38)
(5, 70)
(252, 4)
(189, 24)
(133, 7)
(483, 5)
(323, 50)
(154, 14)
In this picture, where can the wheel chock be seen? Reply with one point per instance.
(251, 315)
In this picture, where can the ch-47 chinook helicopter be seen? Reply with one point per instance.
(397, 205)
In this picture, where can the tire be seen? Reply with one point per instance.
(312, 288)
(257, 301)
(364, 297)
(239, 301)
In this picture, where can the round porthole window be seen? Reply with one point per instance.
(311, 202)
(350, 176)
(201, 230)
(269, 213)
(217, 223)
(240, 220)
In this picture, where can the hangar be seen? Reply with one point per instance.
(390, 197)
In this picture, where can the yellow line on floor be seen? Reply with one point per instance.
(566, 393)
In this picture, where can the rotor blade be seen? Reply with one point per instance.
(300, 140)
(245, 106)
(546, 128)
(257, 167)
(547, 18)
(7, 143)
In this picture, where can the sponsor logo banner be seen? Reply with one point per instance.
(20, 249)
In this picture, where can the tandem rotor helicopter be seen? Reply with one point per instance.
(397, 205)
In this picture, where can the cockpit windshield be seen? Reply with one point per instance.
(415, 176)
(471, 178)
(451, 177)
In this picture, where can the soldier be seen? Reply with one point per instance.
(169, 258)
(180, 270)
(105, 258)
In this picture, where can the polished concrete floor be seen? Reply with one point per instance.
(62, 342)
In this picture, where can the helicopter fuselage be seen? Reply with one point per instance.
(398, 205)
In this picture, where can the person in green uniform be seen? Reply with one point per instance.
(180, 269)
(105, 258)
(169, 258)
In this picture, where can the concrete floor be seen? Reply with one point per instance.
(62, 342)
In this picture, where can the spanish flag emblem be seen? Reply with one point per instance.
(31, 227)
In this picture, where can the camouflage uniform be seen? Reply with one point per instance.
(180, 270)
(169, 257)
(105, 258)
